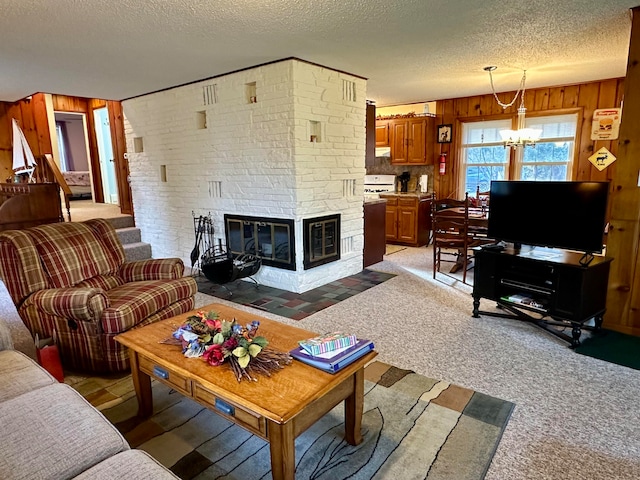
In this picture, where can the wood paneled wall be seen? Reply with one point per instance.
(623, 242)
(32, 118)
(583, 99)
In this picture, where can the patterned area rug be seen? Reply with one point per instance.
(293, 305)
(413, 427)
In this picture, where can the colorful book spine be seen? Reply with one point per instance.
(328, 342)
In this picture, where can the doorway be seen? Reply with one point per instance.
(105, 155)
(73, 150)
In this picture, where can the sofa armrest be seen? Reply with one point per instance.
(13, 332)
(81, 304)
(152, 269)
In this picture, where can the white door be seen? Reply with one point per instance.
(105, 155)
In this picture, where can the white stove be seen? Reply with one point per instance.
(374, 185)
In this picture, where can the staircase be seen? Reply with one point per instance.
(129, 234)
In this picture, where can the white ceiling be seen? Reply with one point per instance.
(410, 50)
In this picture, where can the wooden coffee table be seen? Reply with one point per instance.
(276, 408)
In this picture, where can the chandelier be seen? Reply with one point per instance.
(522, 136)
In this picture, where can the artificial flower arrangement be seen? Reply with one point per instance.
(219, 341)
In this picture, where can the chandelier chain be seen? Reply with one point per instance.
(521, 89)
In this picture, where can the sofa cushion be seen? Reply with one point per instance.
(133, 302)
(71, 252)
(53, 433)
(136, 464)
(103, 282)
(20, 374)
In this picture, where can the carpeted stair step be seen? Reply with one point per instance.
(137, 251)
(129, 235)
(122, 221)
(131, 238)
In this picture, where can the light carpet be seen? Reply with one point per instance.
(413, 427)
(390, 249)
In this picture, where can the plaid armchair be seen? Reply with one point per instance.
(72, 279)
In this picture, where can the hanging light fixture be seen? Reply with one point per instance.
(522, 136)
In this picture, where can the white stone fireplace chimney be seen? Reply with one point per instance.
(281, 140)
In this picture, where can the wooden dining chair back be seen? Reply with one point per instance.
(483, 198)
(451, 239)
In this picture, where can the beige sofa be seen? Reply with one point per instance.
(48, 430)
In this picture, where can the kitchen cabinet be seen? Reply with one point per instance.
(408, 219)
(410, 139)
(382, 133)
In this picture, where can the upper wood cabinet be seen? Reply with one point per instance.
(382, 133)
(410, 139)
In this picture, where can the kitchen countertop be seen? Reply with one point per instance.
(370, 201)
(419, 195)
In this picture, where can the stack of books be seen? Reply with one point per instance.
(332, 352)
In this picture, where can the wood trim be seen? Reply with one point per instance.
(116, 119)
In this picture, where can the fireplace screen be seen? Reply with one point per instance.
(271, 239)
(321, 240)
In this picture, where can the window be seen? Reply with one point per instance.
(484, 157)
(552, 157)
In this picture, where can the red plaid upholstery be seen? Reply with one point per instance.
(151, 270)
(138, 300)
(72, 278)
(71, 253)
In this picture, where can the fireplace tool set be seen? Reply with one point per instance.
(217, 264)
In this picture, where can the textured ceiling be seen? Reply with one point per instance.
(409, 50)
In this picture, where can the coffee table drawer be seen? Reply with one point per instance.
(251, 421)
(166, 375)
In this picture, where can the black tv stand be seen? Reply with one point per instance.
(553, 289)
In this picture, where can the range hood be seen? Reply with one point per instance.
(384, 152)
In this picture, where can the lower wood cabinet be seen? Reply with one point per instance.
(374, 232)
(408, 220)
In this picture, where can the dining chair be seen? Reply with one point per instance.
(483, 197)
(451, 239)
(478, 230)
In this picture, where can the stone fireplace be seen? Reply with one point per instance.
(283, 141)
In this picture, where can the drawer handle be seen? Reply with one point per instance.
(224, 407)
(160, 372)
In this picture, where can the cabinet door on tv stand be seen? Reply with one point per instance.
(484, 273)
(581, 292)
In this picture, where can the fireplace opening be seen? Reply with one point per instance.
(271, 239)
(321, 240)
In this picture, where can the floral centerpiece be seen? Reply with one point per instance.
(221, 341)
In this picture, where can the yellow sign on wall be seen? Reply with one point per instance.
(602, 159)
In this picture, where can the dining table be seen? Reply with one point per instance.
(478, 223)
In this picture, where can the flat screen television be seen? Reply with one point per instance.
(568, 215)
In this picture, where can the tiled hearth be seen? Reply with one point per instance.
(294, 305)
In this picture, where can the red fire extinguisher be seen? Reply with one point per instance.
(443, 163)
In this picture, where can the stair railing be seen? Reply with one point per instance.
(47, 171)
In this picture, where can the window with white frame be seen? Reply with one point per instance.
(484, 157)
(552, 157)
